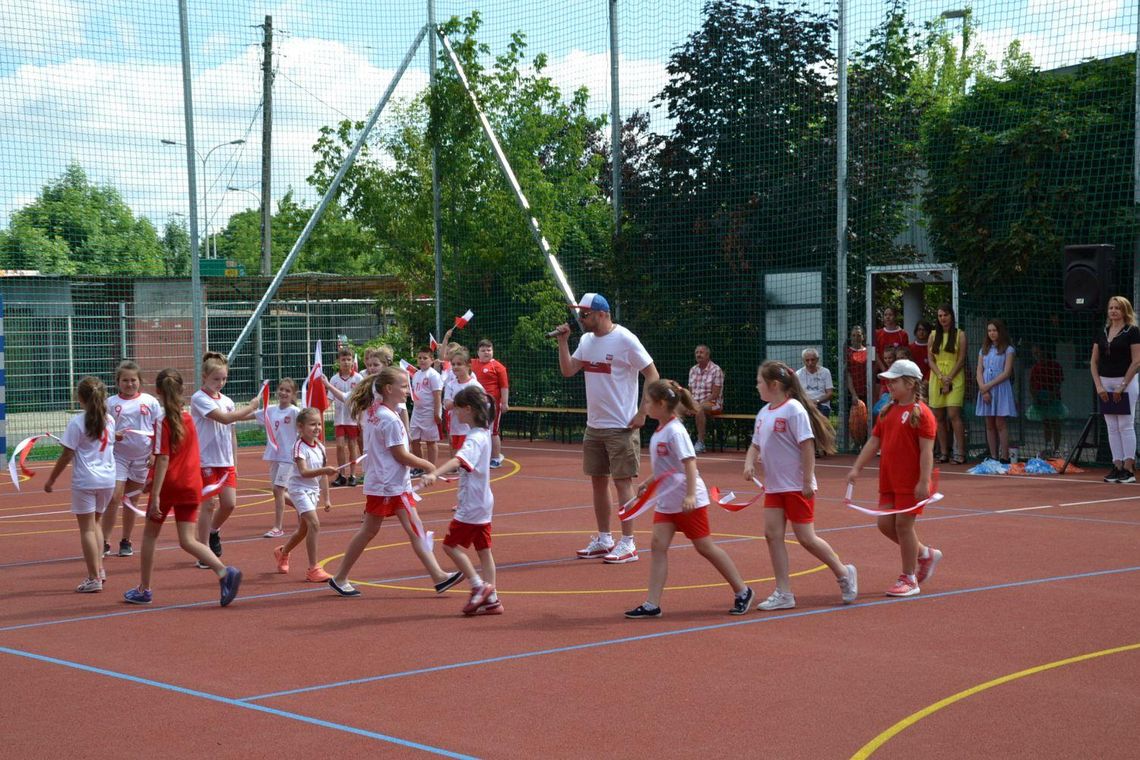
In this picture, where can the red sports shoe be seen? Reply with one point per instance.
(478, 597)
(904, 586)
(926, 566)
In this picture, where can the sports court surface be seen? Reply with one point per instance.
(1025, 643)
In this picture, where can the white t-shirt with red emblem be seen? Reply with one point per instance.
(476, 502)
(94, 462)
(284, 422)
(424, 384)
(313, 457)
(449, 392)
(779, 431)
(215, 439)
(139, 412)
(668, 449)
(382, 429)
(611, 364)
(345, 385)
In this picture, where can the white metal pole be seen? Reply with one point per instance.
(192, 191)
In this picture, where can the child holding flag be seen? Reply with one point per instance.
(281, 432)
(347, 431)
(788, 431)
(682, 500)
(906, 430)
(492, 375)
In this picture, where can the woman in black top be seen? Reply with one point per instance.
(1114, 365)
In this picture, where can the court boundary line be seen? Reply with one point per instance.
(683, 631)
(229, 701)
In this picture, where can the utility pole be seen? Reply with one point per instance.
(266, 181)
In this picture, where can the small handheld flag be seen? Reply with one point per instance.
(462, 321)
(270, 436)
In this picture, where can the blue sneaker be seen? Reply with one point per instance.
(138, 596)
(230, 585)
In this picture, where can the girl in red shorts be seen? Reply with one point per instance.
(472, 523)
(788, 432)
(177, 487)
(387, 482)
(682, 500)
(905, 433)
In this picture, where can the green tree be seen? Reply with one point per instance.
(176, 248)
(490, 261)
(74, 226)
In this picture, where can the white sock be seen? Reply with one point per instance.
(912, 579)
(650, 607)
(476, 581)
(925, 553)
(605, 537)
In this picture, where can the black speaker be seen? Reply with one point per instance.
(1088, 276)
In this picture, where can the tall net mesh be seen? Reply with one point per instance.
(980, 140)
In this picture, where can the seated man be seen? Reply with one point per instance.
(816, 381)
(706, 384)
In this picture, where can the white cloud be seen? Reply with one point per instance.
(640, 80)
(41, 29)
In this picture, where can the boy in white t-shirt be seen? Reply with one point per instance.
(347, 430)
(427, 400)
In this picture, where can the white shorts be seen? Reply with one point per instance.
(424, 431)
(87, 502)
(280, 472)
(305, 500)
(134, 470)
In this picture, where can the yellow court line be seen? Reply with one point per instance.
(572, 592)
(870, 747)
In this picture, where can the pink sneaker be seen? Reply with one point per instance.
(316, 574)
(478, 597)
(904, 586)
(282, 559)
(491, 608)
(926, 566)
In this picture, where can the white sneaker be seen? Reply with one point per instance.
(849, 586)
(90, 585)
(273, 533)
(624, 551)
(598, 547)
(496, 461)
(699, 447)
(779, 600)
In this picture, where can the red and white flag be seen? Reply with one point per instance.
(313, 391)
(408, 367)
(728, 500)
(355, 362)
(270, 435)
(639, 505)
(462, 321)
(433, 344)
(18, 463)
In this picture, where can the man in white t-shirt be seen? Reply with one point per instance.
(611, 358)
(816, 381)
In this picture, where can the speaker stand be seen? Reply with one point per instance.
(1081, 442)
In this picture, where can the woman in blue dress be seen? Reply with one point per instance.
(995, 391)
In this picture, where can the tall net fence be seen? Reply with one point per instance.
(980, 141)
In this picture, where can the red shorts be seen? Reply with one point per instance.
(211, 475)
(457, 442)
(497, 423)
(387, 506)
(694, 525)
(351, 432)
(464, 534)
(797, 508)
(899, 500)
(183, 513)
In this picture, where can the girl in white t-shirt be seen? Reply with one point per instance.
(682, 499)
(283, 419)
(427, 397)
(461, 378)
(346, 428)
(788, 431)
(214, 414)
(472, 522)
(89, 442)
(136, 416)
(387, 484)
(308, 488)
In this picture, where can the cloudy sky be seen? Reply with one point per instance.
(100, 81)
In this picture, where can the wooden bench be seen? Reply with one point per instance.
(739, 426)
(563, 421)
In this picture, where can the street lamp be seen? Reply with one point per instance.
(204, 159)
(962, 14)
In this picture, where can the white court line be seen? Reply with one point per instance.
(37, 514)
(1063, 504)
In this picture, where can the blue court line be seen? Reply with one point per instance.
(682, 631)
(234, 703)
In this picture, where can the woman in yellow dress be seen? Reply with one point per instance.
(948, 383)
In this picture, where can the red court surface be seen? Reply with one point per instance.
(1024, 644)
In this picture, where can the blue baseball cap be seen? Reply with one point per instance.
(594, 302)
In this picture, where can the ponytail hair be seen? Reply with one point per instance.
(824, 434)
(482, 406)
(212, 361)
(126, 365)
(168, 388)
(678, 398)
(916, 408)
(92, 395)
(369, 392)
